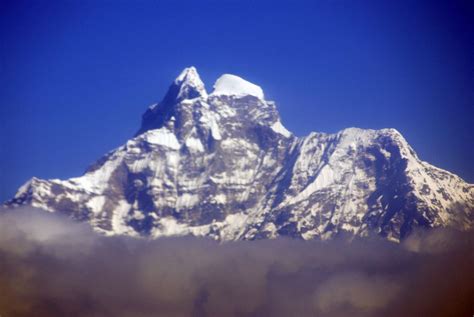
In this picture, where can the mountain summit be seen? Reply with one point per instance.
(188, 85)
(222, 165)
(232, 85)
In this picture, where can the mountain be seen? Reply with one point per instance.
(222, 165)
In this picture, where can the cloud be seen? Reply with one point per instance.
(360, 291)
(52, 266)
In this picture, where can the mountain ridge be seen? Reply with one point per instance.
(222, 165)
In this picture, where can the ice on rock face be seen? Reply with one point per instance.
(194, 144)
(279, 128)
(162, 137)
(232, 85)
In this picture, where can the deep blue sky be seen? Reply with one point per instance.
(76, 76)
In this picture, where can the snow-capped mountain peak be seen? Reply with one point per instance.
(233, 85)
(187, 85)
(188, 74)
(187, 80)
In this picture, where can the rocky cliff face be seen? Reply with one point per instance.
(222, 165)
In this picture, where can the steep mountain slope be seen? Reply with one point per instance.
(222, 165)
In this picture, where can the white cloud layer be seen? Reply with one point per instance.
(52, 266)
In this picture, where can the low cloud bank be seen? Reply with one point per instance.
(51, 266)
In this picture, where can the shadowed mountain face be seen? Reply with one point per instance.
(222, 165)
